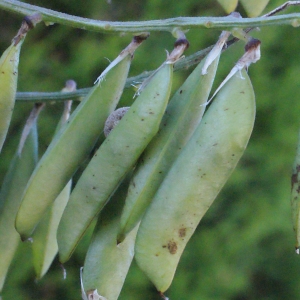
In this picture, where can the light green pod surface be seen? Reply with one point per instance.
(295, 197)
(183, 114)
(229, 5)
(21, 167)
(115, 157)
(44, 245)
(70, 147)
(9, 62)
(195, 179)
(106, 264)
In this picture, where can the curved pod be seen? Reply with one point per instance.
(194, 181)
(115, 157)
(183, 114)
(70, 146)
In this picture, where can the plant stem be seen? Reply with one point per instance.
(222, 23)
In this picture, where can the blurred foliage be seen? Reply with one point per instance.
(244, 246)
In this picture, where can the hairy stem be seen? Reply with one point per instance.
(222, 23)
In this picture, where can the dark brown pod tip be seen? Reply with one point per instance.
(32, 20)
(140, 38)
(182, 41)
(252, 44)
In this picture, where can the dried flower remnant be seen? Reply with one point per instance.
(135, 43)
(216, 50)
(252, 55)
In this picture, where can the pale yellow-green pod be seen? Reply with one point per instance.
(295, 197)
(195, 179)
(20, 169)
(254, 8)
(106, 263)
(9, 62)
(229, 5)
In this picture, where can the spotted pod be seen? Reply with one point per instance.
(71, 145)
(106, 264)
(115, 157)
(183, 114)
(44, 243)
(295, 197)
(9, 62)
(13, 186)
(194, 181)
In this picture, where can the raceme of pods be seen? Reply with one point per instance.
(73, 143)
(183, 114)
(194, 181)
(13, 186)
(106, 263)
(295, 197)
(44, 244)
(116, 156)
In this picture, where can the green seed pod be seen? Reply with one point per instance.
(106, 264)
(73, 143)
(295, 199)
(115, 157)
(228, 5)
(44, 245)
(183, 114)
(9, 62)
(194, 181)
(20, 169)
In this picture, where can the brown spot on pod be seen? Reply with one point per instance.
(172, 247)
(182, 232)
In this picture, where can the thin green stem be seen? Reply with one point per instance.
(222, 23)
(184, 63)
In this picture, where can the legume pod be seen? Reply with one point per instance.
(194, 181)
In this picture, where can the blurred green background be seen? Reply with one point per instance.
(243, 249)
